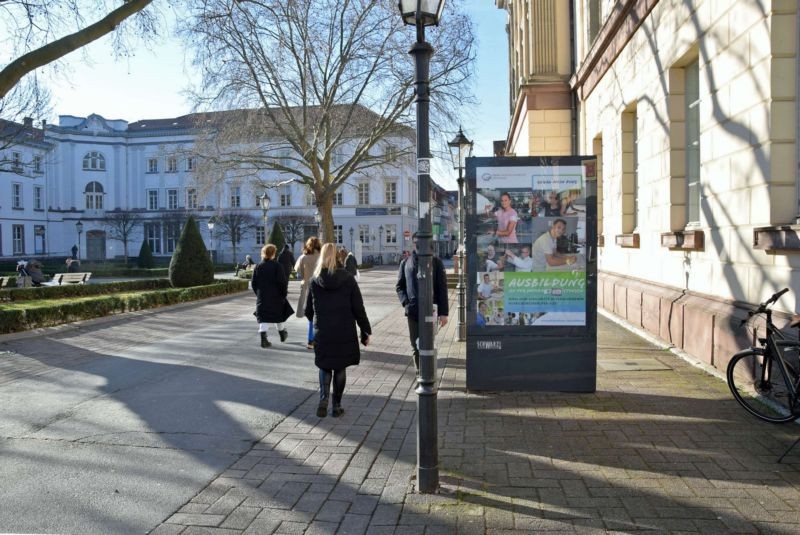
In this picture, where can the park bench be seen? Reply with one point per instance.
(4, 281)
(69, 278)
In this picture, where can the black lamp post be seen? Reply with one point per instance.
(352, 243)
(264, 201)
(421, 13)
(380, 242)
(210, 226)
(460, 150)
(79, 228)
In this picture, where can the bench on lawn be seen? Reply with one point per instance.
(69, 278)
(4, 281)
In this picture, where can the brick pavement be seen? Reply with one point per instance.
(665, 451)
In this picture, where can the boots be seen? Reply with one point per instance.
(338, 390)
(264, 342)
(284, 334)
(325, 378)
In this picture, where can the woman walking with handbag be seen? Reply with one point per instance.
(305, 269)
(271, 287)
(335, 306)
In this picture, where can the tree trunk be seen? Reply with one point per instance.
(325, 208)
(125, 249)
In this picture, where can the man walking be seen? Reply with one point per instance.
(407, 292)
(286, 260)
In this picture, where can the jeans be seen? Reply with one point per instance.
(310, 331)
(413, 335)
(339, 379)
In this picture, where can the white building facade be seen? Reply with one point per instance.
(92, 168)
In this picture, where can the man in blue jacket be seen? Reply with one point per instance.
(407, 293)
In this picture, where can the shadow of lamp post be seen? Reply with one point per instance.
(421, 13)
(460, 150)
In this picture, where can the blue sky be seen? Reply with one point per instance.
(150, 84)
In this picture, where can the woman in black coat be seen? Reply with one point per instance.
(335, 306)
(271, 287)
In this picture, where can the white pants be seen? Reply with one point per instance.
(264, 327)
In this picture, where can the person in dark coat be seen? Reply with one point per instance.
(286, 260)
(407, 293)
(336, 307)
(271, 287)
(350, 263)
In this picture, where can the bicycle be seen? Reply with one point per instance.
(765, 378)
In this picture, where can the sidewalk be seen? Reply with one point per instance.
(660, 446)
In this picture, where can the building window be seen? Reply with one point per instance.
(37, 198)
(391, 193)
(338, 157)
(391, 233)
(16, 161)
(413, 194)
(594, 19)
(16, 196)
(190, 163)
(310, 197)
(191, 198)
(94, 161)
(18, 239)
(337, 234)
(363, 193)
(152, 165)
(694, 191)
(630, 182)
(172, 231)
(363, 234)
(172, 201)
(152, 199)
(172, 164)
(152, 233)
(260, 240)
(338, 198)
(38, 239)
(37, 164)
(597, 146)
(94, 196)
(236, 197)
(636, 188)
(286, 196)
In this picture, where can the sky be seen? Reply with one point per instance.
(151, 83)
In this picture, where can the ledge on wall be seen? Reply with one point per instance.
(601, 241)
(780, 239)
(630, 241)
(684, 240)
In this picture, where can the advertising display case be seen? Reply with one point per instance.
(532, 273)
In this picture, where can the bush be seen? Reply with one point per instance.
(191, 264)
(82, 308)
(276, 237)
(80, 290)
(145, 259)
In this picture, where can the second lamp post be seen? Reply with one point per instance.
(460, 150)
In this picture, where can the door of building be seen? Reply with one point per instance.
(96, 245)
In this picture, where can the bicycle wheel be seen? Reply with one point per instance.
(758, 383)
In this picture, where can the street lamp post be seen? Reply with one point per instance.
(264, 201)
(79, 228)
(351, 239)
(380, 242)
(210, 226)
(460, 150)
(318, 220)
(421, 13)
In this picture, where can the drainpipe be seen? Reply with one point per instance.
(573, 111)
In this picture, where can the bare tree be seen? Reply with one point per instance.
(294, 227)
(233, 226)
(120, 226)
(323, 88)
(36, 33)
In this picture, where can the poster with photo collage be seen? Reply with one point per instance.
(530, 243)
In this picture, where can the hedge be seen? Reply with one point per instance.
(82, 308)
(80, 290)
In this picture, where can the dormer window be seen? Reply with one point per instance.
(94, 161)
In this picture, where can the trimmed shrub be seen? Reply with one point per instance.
(80, 290)
(145, 259)
(276, 237)
(190, 265)
(82, 308)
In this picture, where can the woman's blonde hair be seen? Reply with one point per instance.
(327, 259)
(268, 251)
(312, 244)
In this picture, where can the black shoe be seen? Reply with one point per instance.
(284, 334)
(337, 411)
(264, 342)
(322, 409)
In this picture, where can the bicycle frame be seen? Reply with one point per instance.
(774, 340)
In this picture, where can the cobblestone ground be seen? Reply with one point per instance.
(663, 450)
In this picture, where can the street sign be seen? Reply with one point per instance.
(407, 233)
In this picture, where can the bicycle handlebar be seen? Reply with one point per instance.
(774, 299)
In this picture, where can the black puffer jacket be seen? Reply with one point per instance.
(271, 287)
(335, 306)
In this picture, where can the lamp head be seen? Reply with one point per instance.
(460, 150)
(265, 200)
(79, 227)
(421, 12)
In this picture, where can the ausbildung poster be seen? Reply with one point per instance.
(531, 245)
